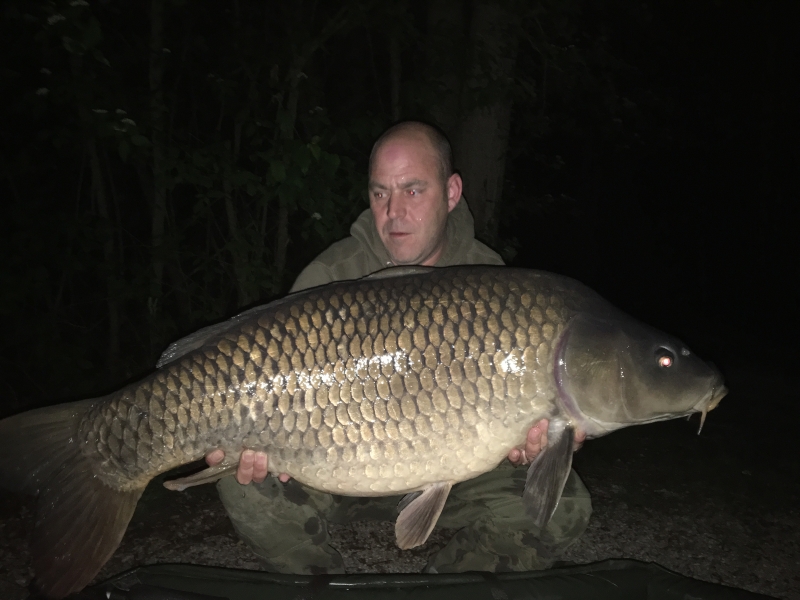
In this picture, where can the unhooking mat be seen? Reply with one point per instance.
(612, 579)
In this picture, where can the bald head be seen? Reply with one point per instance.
(416, 129)
(411, 193)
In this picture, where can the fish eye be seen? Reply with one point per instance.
(665, 358)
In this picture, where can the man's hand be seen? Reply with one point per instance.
(253, 466)
(536, 441)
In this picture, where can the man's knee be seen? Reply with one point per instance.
(284, 524)
(503, 537)
(571, 517)
(488, 546)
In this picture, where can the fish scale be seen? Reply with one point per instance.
(401, 382)
(347, 385)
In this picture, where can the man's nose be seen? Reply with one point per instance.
(395, 208)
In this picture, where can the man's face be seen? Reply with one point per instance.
(409, 201)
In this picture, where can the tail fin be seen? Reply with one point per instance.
(80, 520)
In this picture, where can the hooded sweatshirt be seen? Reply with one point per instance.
(363, 252)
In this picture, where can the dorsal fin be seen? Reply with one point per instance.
(399, 272)
(195, 340)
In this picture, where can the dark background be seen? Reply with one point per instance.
(651, 153)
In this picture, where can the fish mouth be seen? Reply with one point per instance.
(596, 428)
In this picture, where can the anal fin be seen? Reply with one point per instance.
(418, 517)
(208, 475)
(548, 474)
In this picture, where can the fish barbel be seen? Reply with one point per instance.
(406, 381)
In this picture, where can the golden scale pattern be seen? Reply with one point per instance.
(365, 387)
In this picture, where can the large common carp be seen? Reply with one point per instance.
(406, 381)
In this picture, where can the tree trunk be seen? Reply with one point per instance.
(287, 133)
(238, 248)
(482, 150)
(338, 23)
(445, 61)
(158, 140)
(482, 139)
(471, 61)
(100, 200)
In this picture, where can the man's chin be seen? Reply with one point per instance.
(404, 260)
(402, 257)
(398, 262)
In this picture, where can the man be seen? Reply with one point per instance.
(416, 217)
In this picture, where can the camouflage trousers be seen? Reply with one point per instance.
(287, 524)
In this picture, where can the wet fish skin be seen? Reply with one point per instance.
(381, 386)
(367, 388)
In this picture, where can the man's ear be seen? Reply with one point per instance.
(454, 188)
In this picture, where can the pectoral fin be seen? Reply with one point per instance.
(547, 476)
(418, 517)
(209, 475)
